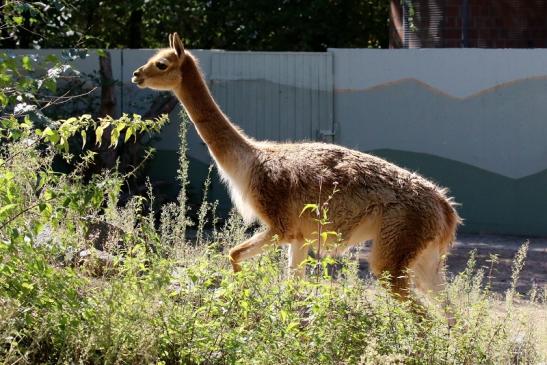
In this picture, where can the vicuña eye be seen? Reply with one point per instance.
(161, 65)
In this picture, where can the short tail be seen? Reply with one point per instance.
(451, 222)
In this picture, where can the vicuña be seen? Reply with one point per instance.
(410, 220)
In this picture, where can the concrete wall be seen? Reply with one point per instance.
(472, 120)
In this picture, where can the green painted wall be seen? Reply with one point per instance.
(489, 202)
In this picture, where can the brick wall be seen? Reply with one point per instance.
(452, 35)
(478, 23)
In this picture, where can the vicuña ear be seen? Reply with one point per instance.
(177, 45)
(170, 41)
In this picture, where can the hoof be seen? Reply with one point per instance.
(235, 266)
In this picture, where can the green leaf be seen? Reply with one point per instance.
(27, 65)
(46, 209)
(121, 126)
(51, 58)
(292, 326)
(325, 235)
(51, 135)
(6, 209)
(3, 99)
(128, 133)
(84, 138)
(99, 135)
(50, 84)
(27, 286)
(18, 20)
(311, 207)
(283, 315)
(114, 136)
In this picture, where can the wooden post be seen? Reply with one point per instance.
(107, 155)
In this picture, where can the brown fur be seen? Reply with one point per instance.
(410, 220)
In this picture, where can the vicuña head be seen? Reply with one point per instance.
(163, 71)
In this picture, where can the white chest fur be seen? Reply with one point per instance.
(238, 185)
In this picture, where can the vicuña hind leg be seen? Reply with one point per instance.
(382, 261)
(427, 270)
(392, 250)
(429, 277)
(251, 247)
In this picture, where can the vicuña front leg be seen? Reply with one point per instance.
(298, 252)
(251, 247)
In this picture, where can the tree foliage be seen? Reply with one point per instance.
(268, 25)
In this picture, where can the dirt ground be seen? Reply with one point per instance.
(505, 247)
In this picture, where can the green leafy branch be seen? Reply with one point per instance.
(320, 214)
(130, 125)
(58, 137)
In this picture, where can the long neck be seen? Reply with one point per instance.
(225, 142)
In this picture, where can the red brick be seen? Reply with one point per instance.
(494, 23)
